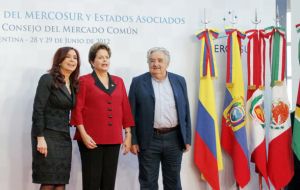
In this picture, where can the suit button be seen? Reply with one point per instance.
(109, 102)
(109, 109)
(109, 123)
(109, 116)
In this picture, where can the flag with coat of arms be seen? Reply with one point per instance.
(255, 115)
(234, 136)
(280, 156)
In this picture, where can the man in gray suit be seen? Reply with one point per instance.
(160, 106)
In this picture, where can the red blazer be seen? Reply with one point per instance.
(102, 112)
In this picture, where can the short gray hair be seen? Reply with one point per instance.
(160, 49)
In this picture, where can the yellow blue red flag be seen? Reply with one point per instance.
(234, 137)
(207, 149)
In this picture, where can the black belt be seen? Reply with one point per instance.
(161, 131)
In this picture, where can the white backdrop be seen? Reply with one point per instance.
(31, 31)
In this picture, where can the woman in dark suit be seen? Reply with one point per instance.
(102, 110)
(51, 142)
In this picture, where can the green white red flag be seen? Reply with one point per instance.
(280, 155)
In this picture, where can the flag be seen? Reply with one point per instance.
(256, 58)
(280, 155)
(207, 149)
(234, 137)
(255, 101)
(296, 131)
(277, 53)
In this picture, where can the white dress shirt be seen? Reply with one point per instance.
(165, 113)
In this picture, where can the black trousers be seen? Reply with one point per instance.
(99, 166)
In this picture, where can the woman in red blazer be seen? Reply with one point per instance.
(102, 109)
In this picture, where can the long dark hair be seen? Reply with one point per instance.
(58, 78)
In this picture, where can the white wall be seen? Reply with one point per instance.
(22, 63)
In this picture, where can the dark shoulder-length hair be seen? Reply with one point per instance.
(95, 48)
(58, 77)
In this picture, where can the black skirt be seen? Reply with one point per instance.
(56, 167)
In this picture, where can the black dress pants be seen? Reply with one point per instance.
(99, 166)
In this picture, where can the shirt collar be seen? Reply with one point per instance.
(161, 81)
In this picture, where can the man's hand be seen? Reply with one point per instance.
(187, 148)
(135, 149)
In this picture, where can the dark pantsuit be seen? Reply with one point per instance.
(99, 166)
(167, 150)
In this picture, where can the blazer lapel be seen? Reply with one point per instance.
(111, 84)
(73, 96)
(149, 86)
(175, 85)
(65, 91)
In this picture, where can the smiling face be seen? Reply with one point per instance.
(69, 64)
(101, 62)
(158, 65)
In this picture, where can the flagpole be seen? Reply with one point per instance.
(260, 181)
(233, 19)
(205, 21)
(256, 21)
(277, 18)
